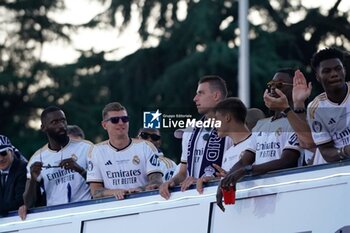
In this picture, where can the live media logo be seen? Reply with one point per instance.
(152, 119)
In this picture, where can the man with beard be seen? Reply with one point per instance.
(61, 165)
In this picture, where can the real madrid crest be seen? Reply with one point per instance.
(209, 171)
(136, 160)
(278, 132)
(74, 157)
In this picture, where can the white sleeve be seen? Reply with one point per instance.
(319, 130)
(252, 142)
(83, 157)
(33, 159)
(93, 170)
(228, 143)
(28, 168)
(185, 140)
(291, 142)
(152, 160)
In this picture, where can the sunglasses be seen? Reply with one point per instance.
(277, 84)
(4, 153)
(153, 136)
(115, 120)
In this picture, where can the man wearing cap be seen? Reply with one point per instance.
(12, 177)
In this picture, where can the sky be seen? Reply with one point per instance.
(120, 44)
(123, 43)
(99, 40)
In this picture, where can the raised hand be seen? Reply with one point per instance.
(301, 89)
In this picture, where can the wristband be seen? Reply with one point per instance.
(339, 152)
(342, 154)
(300, 110)
(285, 112)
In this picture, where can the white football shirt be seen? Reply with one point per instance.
(271, 137)
(330, 121)
(232, 155)
(63, 186)
(123, 169)
(168, 167)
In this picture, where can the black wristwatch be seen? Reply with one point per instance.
(248, 169)
(285, 112)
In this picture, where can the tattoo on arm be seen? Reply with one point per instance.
(99, 192)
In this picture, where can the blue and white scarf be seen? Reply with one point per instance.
(213, 152)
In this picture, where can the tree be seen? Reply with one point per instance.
(165, 77)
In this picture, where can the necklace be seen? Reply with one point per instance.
(51, 166)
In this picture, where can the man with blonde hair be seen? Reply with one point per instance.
(121, 165)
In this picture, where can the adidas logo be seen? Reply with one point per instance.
(108, 162)
(331, 121)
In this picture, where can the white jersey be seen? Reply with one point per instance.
(271, 137)
(330, 121)
(168, 167)
(200, 144)
(232, 155)
(123, 169)
(63, 186)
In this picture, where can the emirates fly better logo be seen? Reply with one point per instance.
(157, 120)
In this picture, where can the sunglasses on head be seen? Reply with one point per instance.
(153, 136)
(115, 120)
(277, 84)
(4, 153)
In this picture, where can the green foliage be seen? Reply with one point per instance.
(163, 77)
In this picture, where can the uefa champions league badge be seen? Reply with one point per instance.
(152, 119)
(316, 126)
